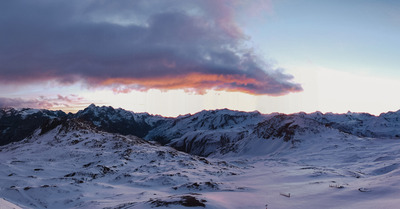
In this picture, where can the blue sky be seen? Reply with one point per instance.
(352, 36)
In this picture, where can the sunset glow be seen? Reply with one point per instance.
(185, 56)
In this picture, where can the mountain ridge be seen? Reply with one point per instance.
(212, 159)
(206, 132)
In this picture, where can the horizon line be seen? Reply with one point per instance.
(209, 110)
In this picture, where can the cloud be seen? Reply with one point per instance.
(21, 103)
(69, 102)
(193, 45)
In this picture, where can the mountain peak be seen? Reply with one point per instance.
(91, 106)
(96, 110)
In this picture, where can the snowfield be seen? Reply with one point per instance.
(243, 160)
(74, 166)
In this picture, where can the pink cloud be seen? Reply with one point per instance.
(135, 45)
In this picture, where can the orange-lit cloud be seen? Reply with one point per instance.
(194, 45)
(200, 83)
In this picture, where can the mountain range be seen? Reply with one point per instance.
(102, 157)
(203, 133)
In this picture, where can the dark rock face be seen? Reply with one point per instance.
(16, 125)
(186, 200)
(115, 121)
(278, 126)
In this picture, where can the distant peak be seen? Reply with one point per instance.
(6, 108)
(91, 106)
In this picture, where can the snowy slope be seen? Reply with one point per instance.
(76, 166)
(322, 160)
(224, 131)
(386, 125)
(207, 132)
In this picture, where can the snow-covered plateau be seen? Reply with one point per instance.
(103, 157)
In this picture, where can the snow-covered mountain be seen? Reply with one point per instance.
(119, 121)
(386, 125)
(17, 124)
(225, 131)
(207, 132)
(103, 157)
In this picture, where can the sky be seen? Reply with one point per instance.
(177, 57)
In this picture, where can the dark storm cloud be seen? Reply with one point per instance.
(193, 45)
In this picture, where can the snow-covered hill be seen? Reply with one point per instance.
(75, 165)
(103, 157)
